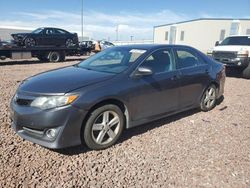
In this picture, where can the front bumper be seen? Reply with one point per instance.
(32, 123)
(235, 62)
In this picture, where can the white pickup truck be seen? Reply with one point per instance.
(233, 51)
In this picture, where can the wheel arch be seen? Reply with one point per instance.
(113, 101)
(213, 82)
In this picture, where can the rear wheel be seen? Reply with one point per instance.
(56, 56)
(69, 43)
(29, 42)
(208, 100)
(246, 72)
(104, 127)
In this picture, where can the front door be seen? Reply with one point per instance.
(157, 94)
(48, 37)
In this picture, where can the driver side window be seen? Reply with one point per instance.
(49, 32)
(159, 61)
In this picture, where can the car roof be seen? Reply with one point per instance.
(50, 28)
(151, 46)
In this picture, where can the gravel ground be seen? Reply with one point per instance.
(191, 149)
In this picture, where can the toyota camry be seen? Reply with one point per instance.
(93, 101)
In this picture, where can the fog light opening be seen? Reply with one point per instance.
(51, 133)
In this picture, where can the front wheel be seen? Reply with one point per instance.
(104, 127)
(29, 42)
(208, 100)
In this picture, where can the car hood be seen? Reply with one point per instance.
(15, 34)
(19, 35)
(63, 80)
(231, 48)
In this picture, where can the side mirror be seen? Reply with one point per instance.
(217, 43)
(143, 71)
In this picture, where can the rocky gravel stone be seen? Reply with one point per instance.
(191, 149)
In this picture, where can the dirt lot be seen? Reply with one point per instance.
(186, 150)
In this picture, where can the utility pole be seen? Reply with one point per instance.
(117, 32)
(82, 19)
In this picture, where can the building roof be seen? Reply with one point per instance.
(199, 19)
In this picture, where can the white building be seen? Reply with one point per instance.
(5, 33)
(200, 33)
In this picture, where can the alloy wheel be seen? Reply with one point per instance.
(30, 42)
(69, 43)
(210, 97)
(106, 127)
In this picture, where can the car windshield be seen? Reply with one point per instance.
(245, 41)
(113, 60)
(39, 30)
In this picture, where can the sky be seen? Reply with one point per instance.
(102, 18)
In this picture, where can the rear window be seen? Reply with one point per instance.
(242, 41)
(59, 31)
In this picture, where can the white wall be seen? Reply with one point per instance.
(5, 34)
(201, 34)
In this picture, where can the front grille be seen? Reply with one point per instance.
(224, 55)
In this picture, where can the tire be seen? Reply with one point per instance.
(55, 56)
(69, 43)
(29, 42)
(209, 98)
(98, 133)
(246, 72)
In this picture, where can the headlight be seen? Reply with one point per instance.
(243, 53)
(53, 101)
(210, 52)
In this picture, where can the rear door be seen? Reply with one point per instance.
(60, 36)
(156, 94)
(194, 76)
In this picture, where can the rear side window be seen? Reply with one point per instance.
(186, 59)
(159, 61)
(59, 31)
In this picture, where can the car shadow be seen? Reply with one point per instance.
(28, 62)
(129, 133)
